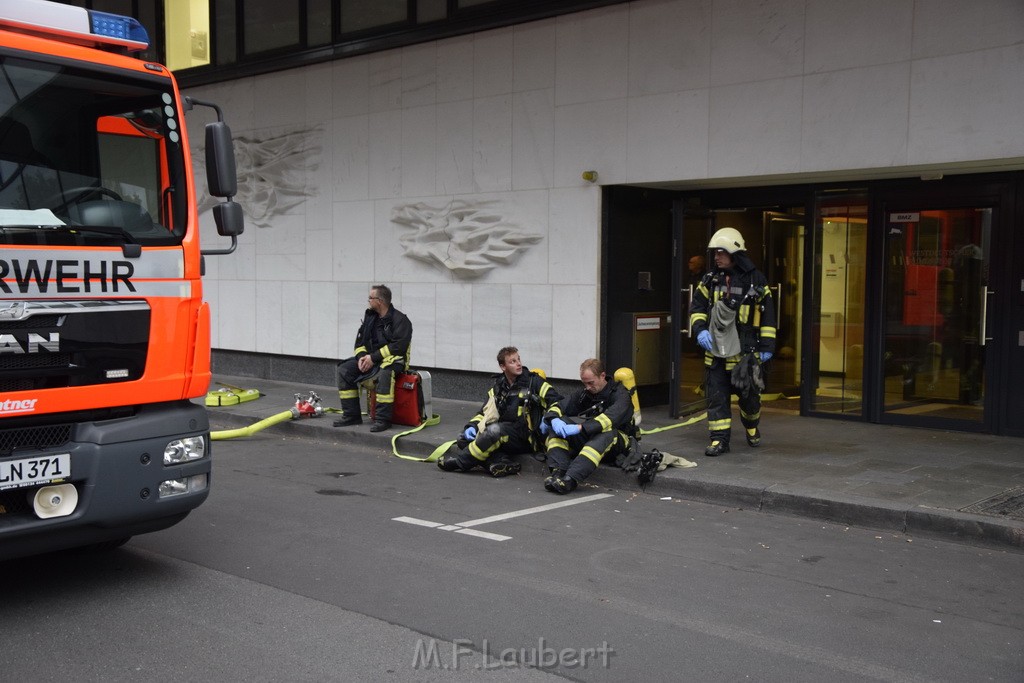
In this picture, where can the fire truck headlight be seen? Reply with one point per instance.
(178, 487)
(185, 450)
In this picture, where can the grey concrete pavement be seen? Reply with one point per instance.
(952, 485)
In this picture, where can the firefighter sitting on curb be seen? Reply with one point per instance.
(601, 413)
(507, 422)
(732, 316)
(381, 351)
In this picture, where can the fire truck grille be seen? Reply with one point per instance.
(56, 344)
(16, 385)
(43, 436)
(36, 321)
(36, 360)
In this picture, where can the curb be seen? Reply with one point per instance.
(831, 507)
(965, 526)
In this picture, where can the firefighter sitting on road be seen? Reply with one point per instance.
(582, 429)
(732, 315)
(507, 423)
(381, 351)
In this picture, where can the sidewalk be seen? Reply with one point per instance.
(951, 485)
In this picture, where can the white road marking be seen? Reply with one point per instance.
(461, 527)
(419, 522)
(483, 534)
(539, 508)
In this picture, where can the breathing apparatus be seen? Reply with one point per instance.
(626, 378)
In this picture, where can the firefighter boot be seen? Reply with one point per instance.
(753, 437)
(560, 485)
(503, 468)
(350, 413)
(449, 462)
(349, 420)
(717, 447)
(550, 481)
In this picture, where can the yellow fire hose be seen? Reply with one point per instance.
(306, 405)
(253, 428)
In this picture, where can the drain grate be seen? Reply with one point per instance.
(1009, 503)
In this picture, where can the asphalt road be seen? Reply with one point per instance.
(321, 561)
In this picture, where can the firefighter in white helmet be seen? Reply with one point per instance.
(732, 317)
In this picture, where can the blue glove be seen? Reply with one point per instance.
(470, 433)
(564, 429)
(704, 339)
(545, 428)
(766, 356)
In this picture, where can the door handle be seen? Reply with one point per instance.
(984, 316)
(685, 328)
(778, 306)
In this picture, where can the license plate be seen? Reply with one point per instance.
(31, 471)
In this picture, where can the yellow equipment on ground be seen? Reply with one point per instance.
(230, 395)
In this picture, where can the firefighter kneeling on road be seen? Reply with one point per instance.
(585, 427)
(732, 315)
(507, 423)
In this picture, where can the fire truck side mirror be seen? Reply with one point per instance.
(228, 217)
(220, 161)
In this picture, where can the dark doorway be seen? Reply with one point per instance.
(637, 292)
(899, 300)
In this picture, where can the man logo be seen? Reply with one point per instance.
(33, 344)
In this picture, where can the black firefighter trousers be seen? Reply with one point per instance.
(718, 389)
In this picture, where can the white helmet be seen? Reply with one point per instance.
(729, 239)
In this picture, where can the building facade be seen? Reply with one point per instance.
(547, 184)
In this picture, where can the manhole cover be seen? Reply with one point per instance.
(1006, 504)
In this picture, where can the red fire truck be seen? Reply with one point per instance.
(104, 334)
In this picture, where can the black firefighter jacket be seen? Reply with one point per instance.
(386, 339)
(525, 400)
(747, 288)
(611, 408)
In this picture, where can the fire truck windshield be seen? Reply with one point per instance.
(100, 150)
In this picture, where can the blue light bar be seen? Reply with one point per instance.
(118, 26)
(73, 24)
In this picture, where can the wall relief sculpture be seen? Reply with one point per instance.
(275, 173)
(463, 237)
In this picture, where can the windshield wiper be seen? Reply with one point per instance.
(130, 247)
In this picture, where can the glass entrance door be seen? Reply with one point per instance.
(783, 266)
(839, 285)
(936, 298)
(691, 243)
